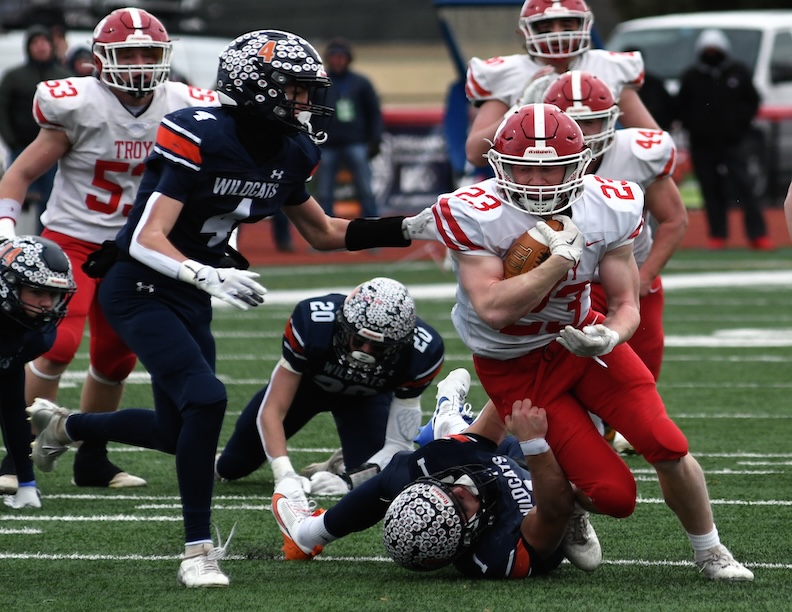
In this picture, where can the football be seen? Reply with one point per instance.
(528, 251)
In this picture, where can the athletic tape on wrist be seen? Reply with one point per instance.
(534, 446)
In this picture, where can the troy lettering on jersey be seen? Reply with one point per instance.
(132, 149)
(520, 489)
(246, 189)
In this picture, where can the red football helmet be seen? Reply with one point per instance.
(131, 28)
(586, 97)
(539, 136)
(536, 20)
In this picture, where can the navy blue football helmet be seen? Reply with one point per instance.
(257, 67)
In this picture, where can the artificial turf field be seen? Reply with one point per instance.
(726, 381)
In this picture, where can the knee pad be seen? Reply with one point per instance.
(668, 443)
(115, 370)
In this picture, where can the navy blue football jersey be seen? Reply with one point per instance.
(501, 550)
(199, 161)
(19, 345)
(308, 347)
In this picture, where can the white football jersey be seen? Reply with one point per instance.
(473, 220)
(641, 156)
(98, 178)
(505, 78)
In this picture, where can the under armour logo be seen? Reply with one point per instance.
(277, 174)
(203, 115)
(141, 287)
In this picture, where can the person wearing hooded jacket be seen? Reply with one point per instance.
(17, 126)
(717, 103)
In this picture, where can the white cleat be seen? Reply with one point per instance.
(719, 564)
(49, 420)
(621, 445)
(26, 497)
(289, 514)
(581, 544)
(202, 571)
(453, 413)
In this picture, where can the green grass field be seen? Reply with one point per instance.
(726, 381)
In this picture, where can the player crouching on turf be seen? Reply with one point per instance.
(480, 510)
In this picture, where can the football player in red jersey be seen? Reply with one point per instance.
(536, 335)
(557, 38)
(98, 129)
(645, 157)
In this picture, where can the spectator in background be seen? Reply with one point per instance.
(17, 126)
(353, 134)
(717, 102)
(80, 62)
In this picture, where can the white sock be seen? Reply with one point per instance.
(312, 532)
(702, 543)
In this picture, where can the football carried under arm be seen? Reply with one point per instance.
(556, 236)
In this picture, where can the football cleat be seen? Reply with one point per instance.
(581, 544)
(452, 414)
(26, 497)
(49, 420)
(202, 571)
(289, 514)
(719, 564)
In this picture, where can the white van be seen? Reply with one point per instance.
(762, 40)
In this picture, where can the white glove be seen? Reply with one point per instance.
(327, 483)
(9, 212)
(236, 287)
(7, 229)
(591, 341)
(293, 486)
(567, 243)
(420, 226)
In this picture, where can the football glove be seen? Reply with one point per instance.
(326, 483)
(236, 287)
(567, 243)
(591, 341)
(420, 226)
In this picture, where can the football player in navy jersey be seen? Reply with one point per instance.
(364, 357)
(456, 500)
(211, 169)
(36, 284)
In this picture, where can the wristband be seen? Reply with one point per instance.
(10, 208)
(372, 233)
(534, 446)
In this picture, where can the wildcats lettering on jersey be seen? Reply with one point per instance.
(519, 488)
(246, 189)
(132, 149)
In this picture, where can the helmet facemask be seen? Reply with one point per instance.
(542, 41)
(379, 316)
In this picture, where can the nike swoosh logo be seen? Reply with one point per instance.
(594, 242)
